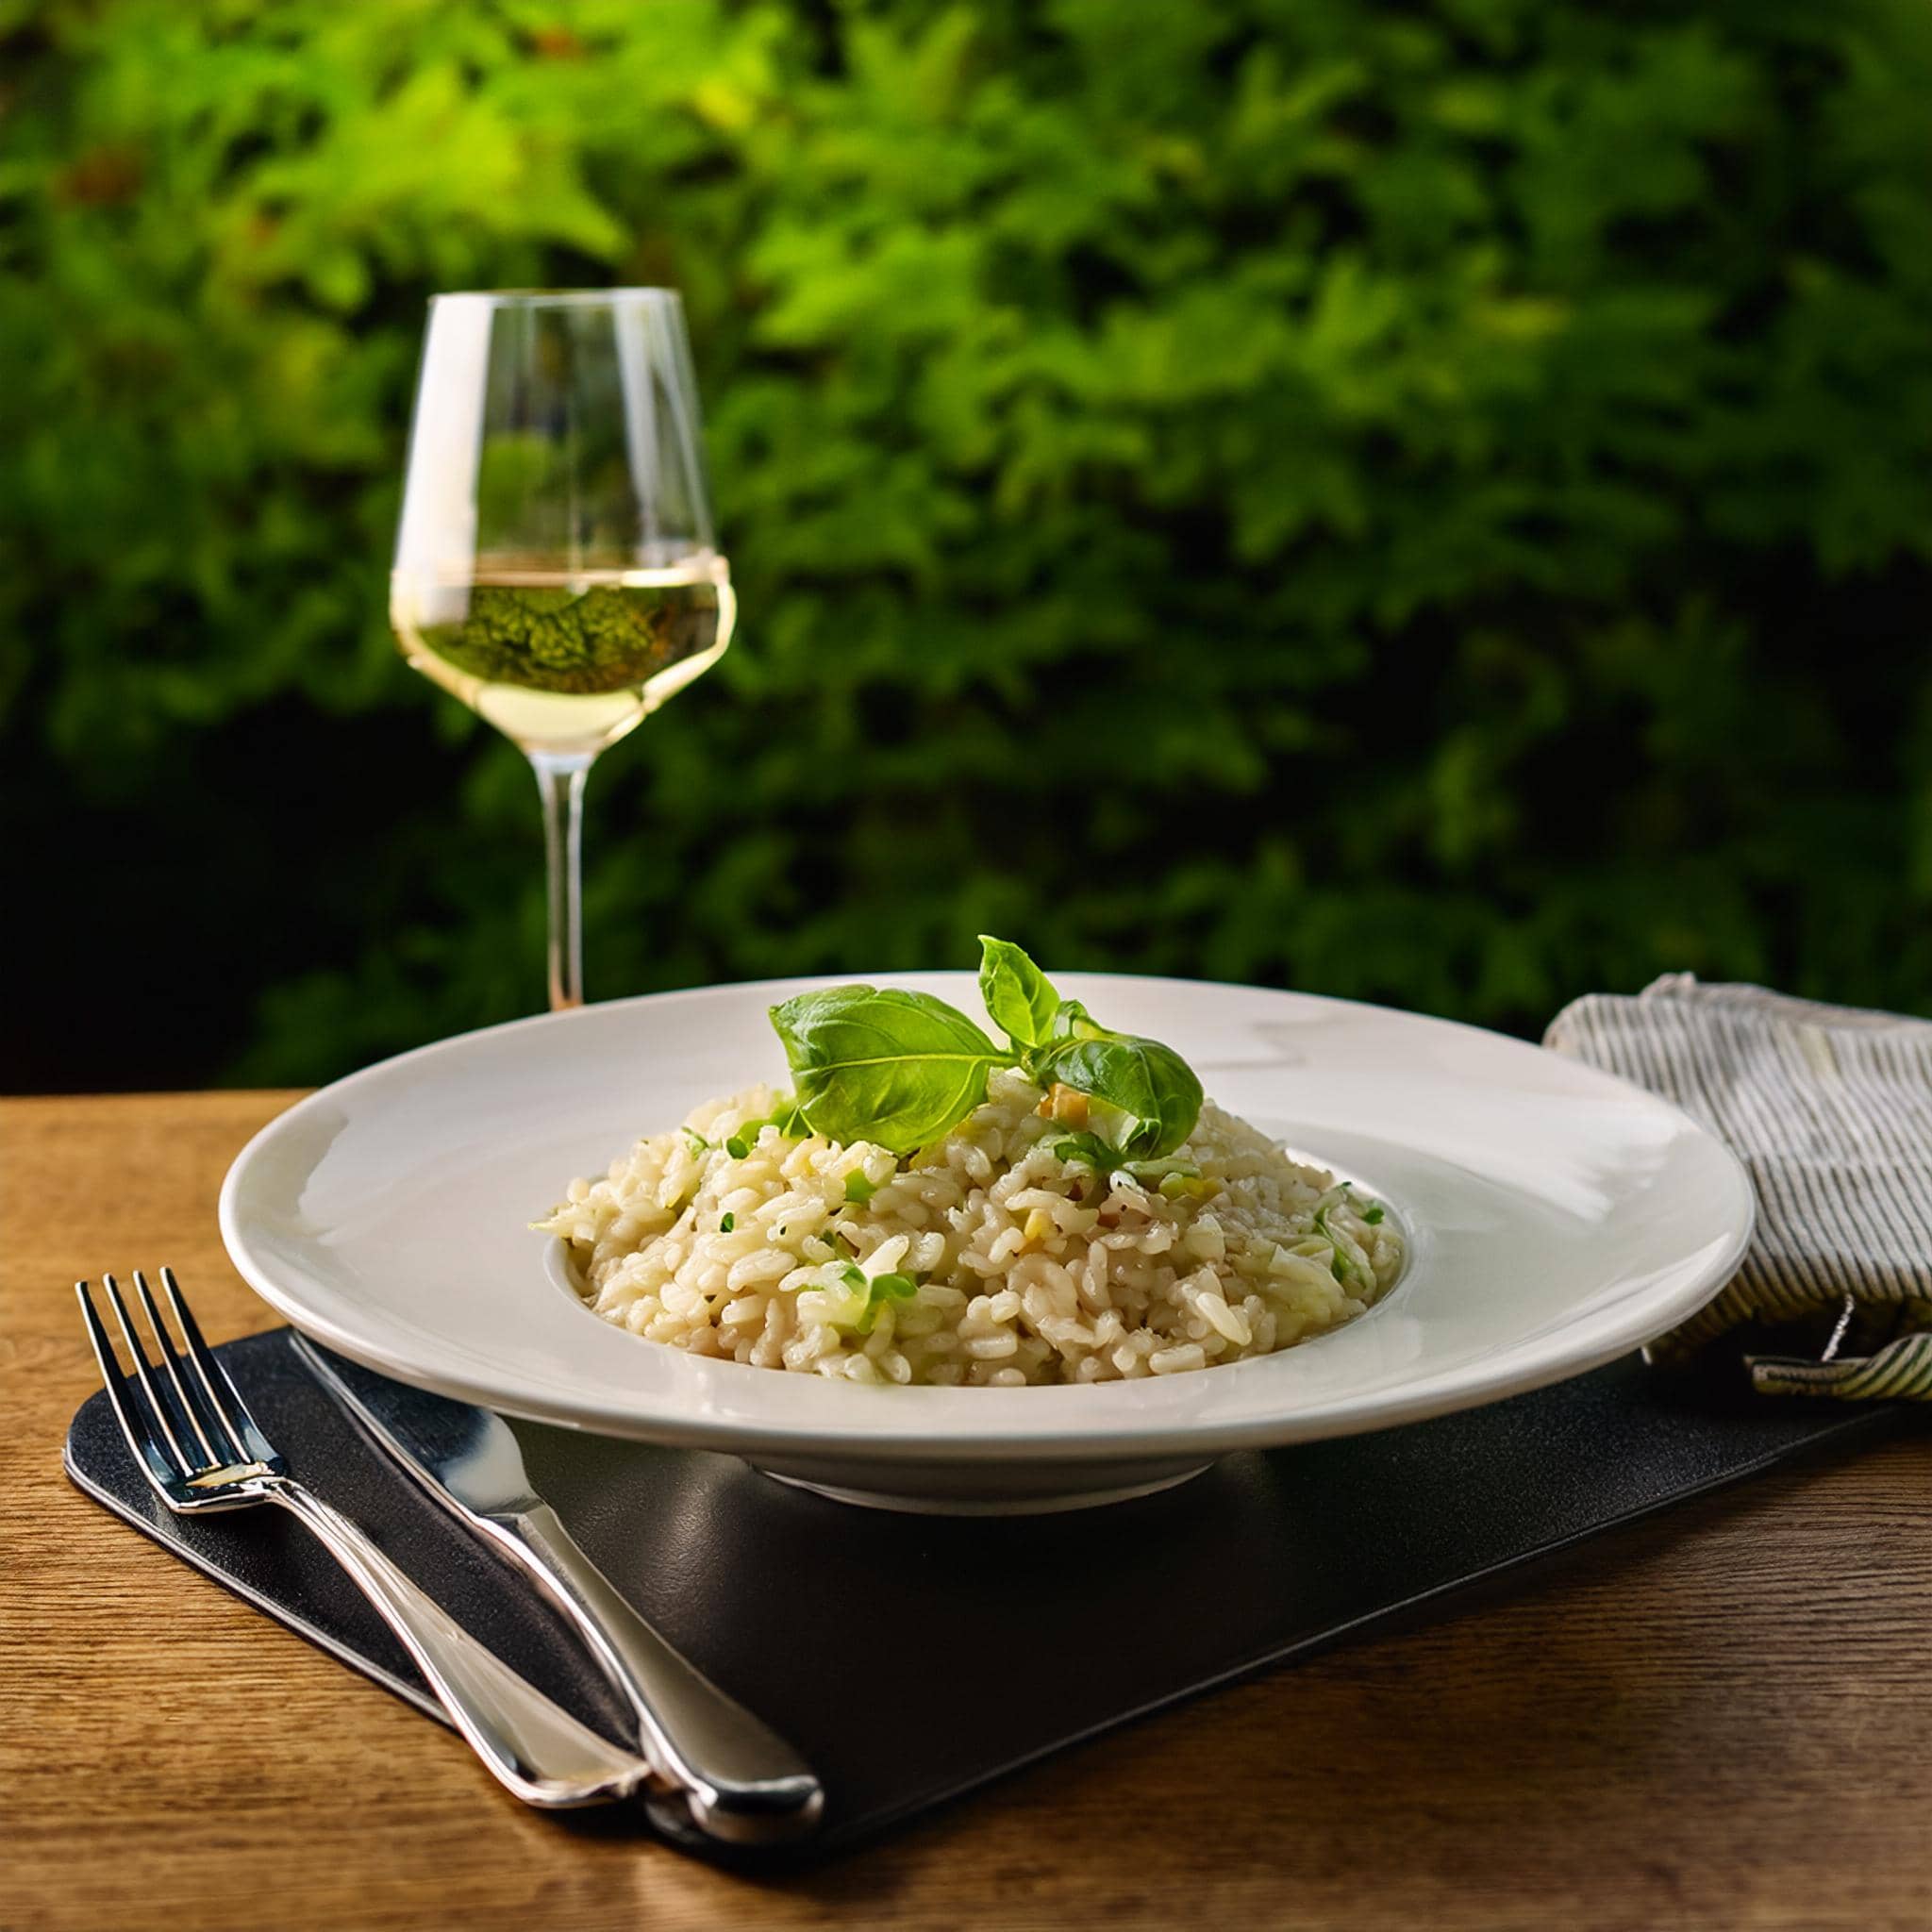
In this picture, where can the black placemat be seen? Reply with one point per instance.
(1000, 1639)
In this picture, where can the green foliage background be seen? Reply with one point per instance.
(1429, 501)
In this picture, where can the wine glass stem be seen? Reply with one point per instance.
(560, 779)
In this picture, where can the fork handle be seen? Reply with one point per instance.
(531, 1746)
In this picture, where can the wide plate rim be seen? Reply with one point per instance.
(1114, 1434)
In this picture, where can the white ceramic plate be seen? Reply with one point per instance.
(1556, 1218)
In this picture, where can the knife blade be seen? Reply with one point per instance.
(737, 1778)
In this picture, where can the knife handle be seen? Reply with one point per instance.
(742, 1781)
(533, 1747)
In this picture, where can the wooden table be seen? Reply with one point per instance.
(1720, 1718)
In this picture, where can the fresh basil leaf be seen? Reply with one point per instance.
(1017, 994)
(884, 1065)
(1148, 1082)
(1072, 1021)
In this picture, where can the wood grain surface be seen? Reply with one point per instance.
(1720, 1718)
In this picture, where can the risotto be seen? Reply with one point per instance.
(1004, 1254)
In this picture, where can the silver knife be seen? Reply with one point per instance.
(738, 1779)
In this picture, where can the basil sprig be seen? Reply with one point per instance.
(1017, 994)
(1150, 1083)
(871, 1063)
(898, 1069)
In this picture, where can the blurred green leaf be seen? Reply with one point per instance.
(1425, 502)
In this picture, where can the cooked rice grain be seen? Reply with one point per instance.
(1028, 1269)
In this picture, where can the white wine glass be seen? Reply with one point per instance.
(556, 567)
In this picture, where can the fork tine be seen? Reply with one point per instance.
(143, 1442)
(250, 1443)
(185, 1462)
(192, 1405)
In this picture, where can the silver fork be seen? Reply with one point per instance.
(199, 1447)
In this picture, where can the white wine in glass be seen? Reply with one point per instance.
(556, 568)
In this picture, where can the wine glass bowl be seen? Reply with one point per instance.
(556, 566)
(567, 661)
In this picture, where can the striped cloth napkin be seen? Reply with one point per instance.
(1830, 1110)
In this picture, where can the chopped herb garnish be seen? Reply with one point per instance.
(1372, 1213)
(730, 1221)
(695, 1142)
(1342, 1266)
(857, 1189)
(1090, 1150)
(786, 1117)
(878, 1290)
